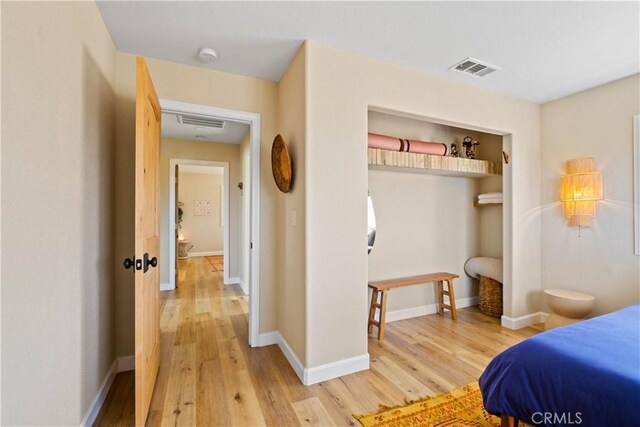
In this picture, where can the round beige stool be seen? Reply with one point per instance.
(567, 307)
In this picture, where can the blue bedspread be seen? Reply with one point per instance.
(585, 374)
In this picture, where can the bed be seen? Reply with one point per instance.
(585, 374)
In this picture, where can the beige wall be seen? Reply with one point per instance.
(203, 231)
(171, 148)
(425, 222)
(201, 86)
(291, 304)
(594, 123)
(58, 125)
(341, 89)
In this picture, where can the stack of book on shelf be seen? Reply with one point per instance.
(490, 199)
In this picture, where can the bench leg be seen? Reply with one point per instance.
(452, 299)
(383, 311)
(439, 298)
(372, 309)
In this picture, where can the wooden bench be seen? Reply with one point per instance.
(381, 288)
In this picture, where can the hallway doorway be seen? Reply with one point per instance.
(200, 198)
(232, 132)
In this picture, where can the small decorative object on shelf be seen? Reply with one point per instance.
(469, 145)
(454, 150)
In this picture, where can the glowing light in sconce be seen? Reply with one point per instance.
(580, 188)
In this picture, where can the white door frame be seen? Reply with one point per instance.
(253, 120)
(172, 214)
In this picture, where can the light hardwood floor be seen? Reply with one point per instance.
(209, 376)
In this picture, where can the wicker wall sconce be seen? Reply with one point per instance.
(581, 187)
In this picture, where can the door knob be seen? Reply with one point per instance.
(132, 262)
(153, 262)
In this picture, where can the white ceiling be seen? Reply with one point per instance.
(233, 132)
(207, 170)
(546, 49)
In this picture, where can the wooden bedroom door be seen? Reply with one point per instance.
(147, 244)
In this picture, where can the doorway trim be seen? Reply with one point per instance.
(253, 120)
(172, 214)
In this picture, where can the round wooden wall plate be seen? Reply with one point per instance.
(281, 164)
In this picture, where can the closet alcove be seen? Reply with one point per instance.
(427, 214)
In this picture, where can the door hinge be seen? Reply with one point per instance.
(251, 245)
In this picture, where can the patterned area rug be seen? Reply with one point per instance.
(217, 262)
(460, 407)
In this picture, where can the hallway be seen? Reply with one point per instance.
(209, 376)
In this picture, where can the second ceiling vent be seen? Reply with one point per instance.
(203, 121)
(475, 67)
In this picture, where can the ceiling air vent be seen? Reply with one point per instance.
(201, 121)
(475, 67)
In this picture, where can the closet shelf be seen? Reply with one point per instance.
(478, 205)
(427, 163)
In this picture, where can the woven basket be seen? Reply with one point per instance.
(490, 296)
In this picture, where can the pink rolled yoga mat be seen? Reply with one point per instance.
(398, 144)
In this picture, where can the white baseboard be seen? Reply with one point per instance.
(126, 363)
(121, 364)
(237, 281)
(166, 287)
(268, 338)
(295, 363)
(524, 321)
(96, 404)
(423, 310)
(336, 369)
(245, 289)
(316, 374)
(209, 253)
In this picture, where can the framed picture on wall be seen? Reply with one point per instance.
(636, 184)
(202, 207)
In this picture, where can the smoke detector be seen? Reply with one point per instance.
(207, 54)
(475, 67)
